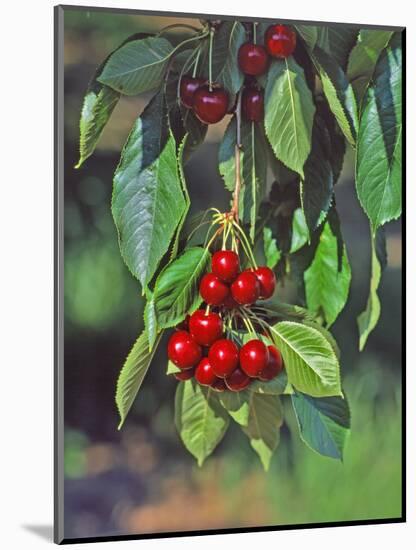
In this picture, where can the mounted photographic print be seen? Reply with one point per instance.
(228, 274)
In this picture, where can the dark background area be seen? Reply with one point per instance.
(142, 479)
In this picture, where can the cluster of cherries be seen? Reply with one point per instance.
(199, 348)
(210, 102)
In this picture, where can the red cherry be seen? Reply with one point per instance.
(184, 375)
(189, 85)
(230, 303)
(212, 290)
(253, 104)
(183, 351)
(225, 265)
(254, 357)
(274, 366)
(280, 41)
(205, 327)
(204, 373)
(246, 288)
(267, 281)
(210, 106)
(238, 380)
(223, 356)
(219, 385)
(252, 59)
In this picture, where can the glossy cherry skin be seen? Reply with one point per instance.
(204, 373)
(246, 288)
(253, 59)
(225, 265)
(237, 380)
(254, 357)
(210, 106)
(280, 41)
(184, 375)
(188, 87)
(267, 281)
(205, 327)
(223, 356)
(274, 365)
(213, 291)
(183, 351)
(252, 104)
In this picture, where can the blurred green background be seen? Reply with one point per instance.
(142, 479)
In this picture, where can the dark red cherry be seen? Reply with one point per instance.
(280, 41)
(204, 373)
(253, 59)
(274, 365)
(213, 291)
(225, 265)
(246, 288)
(223, 356)
(252, 104)
(183, 351)
(267, 281)
(184, 324)
(219, 385)
(237, 380)
(210, 106)
(254, 357)
(205, 327)
(188, 87)
(230, 303)
(185, 374)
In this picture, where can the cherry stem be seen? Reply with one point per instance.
(198, 55)
(246, 245)
(177, 26)
(255, 32)
(211, 39)
(207, 310)
(185, 67)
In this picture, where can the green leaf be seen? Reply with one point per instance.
(263, 427)
(338, 92)
(363, 58)
(379, 147)
(324, 423)
(326, 282)
(289, 112)
(277, 386)
(148, 201)
(138, 66)
(150, 321)
(181, 150)
(226, 43)
(253, 162)
(310, 361)
(341, 40)
(132, 374)
(177, 288)
(318, 186)
(199, 418)
(172, 368)
(309, 34)
(271, 252)
(98, 105)
(237, 404)
(368, 319)
(300, 231)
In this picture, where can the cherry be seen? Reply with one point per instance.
(252, 59)
(254, 357)
(219, 385)
(267, 281)
(205, 327)
(223, 356)
(237, 380)
(184, 375)
(210, 106)
(212, 290)
(246, 288)
(183, 351)
(204, 373)
(280, 41)
(188, 87)
(225, 265)
(253, 104)
(230, 303)
(274, 366)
